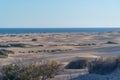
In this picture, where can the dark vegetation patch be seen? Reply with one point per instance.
(48, 51)
(12, 35)
(78, 64)
(21, 45)
(4, 53)
(111, 42)
(85, 44)
(34, 39)
(13, 45)
(104, 66)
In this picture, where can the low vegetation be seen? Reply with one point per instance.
(34, 39)
(45, 51)
(13, 45)
(111, 42)
(33, 71)
(4, 53)
(85, 44)
(104, 66)
(78, 64)
(21, 45)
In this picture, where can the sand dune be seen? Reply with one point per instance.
(72, 46)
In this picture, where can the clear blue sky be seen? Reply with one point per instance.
(59, 13)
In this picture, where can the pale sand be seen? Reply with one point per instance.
(69, 43)
(63, 41)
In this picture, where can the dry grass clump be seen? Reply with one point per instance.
(104, 66)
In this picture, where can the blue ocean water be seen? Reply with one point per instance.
(54, 30)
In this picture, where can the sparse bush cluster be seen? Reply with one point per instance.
(21, 45)
(104, 66)
(55, 50)
(85, 44)
(45, 51)
(4, 53)
(33, 71)
(13, 45)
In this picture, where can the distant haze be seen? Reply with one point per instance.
(59, 13)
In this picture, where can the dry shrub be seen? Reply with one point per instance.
(104, 66)
(32, 71)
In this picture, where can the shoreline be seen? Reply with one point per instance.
(58, 33)
(56, 30)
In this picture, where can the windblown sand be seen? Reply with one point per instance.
(72, 46)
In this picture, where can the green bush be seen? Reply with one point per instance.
(31, 71)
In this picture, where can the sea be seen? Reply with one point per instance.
(54, 30)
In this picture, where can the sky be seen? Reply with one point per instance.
(59, 13)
